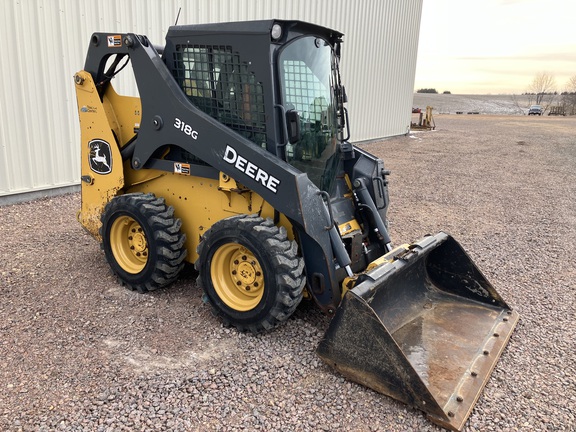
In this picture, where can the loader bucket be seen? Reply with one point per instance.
(426, 329)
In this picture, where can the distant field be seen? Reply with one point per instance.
(482, 104)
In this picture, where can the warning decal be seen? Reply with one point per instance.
(182, 168)
(114, 41)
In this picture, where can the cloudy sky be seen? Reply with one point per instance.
(495, 46)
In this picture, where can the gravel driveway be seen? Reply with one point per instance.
(80, 352)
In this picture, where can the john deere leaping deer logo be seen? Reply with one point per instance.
(100, 156)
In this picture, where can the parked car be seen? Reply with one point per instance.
(535, 110)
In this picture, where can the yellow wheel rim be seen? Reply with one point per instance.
(129, 245)
(237, 277)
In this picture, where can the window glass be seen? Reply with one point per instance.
(307, 75)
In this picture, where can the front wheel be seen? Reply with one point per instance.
(250, 272)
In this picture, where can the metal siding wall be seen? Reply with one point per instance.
(45, 43)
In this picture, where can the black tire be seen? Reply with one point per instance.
(142, 241)
(250, 272)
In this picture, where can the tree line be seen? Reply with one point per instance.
(432, 90)
(543, 90)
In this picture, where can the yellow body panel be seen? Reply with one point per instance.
(99, 122)
(199, 202)
(123, 113)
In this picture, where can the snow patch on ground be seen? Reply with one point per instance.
(473, 104)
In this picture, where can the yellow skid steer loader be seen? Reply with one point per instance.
(236, 158)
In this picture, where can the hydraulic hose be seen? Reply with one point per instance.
(340, 253)
(364, 197)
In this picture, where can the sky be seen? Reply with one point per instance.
(495, 46)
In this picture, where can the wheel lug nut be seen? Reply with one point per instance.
(244, 258)
(137, 253)
(132, 247)
(238, 283)
(234, 272)
(236, 262)
(133, 230)
(248, 288)
(130, 237)
(255, 284)
(258, 273)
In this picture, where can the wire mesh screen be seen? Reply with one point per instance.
(216, 81)
(304, 92)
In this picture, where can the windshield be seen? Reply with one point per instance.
(308, 71)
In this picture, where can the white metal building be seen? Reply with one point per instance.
(45, 43)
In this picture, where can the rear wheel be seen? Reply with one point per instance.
(250, 272)
(142, 241)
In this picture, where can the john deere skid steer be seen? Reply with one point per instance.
(236, 158)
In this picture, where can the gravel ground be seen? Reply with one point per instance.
(79, 352)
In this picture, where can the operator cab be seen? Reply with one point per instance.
(295, 112)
